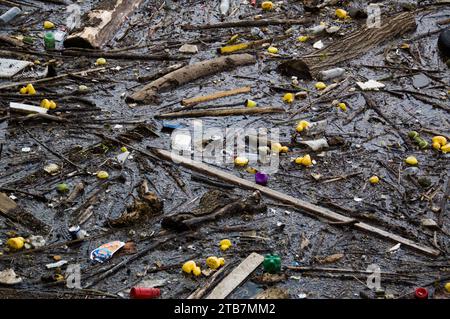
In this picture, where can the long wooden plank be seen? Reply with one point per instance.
(221, 112)
(306, 207)
(236, 277)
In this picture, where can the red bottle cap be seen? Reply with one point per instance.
(421, 293)
(144, 293)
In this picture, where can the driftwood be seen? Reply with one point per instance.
(146, 206)
(247, 24)
(217, 95)
(9, 40)
(350, 47)
(305, 207)
(189, 73)
(11, 210)
(184, 221)
(221, 112)
(102, 23)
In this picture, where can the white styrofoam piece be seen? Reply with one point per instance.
(10, 67)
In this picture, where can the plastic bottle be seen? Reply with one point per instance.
(330, 74)
(49, 41)
(224, 7)
(9, 15)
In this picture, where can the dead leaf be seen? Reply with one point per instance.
(304, 243)
(273, 293)
(331, 259)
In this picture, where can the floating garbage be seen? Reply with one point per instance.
(100, 61)
(9, 277)
(374, 179)
(370, 85)
(411, 160)
(52, 169)
(9, 15)
(272, 263)
(330, 74)
(316, 145)
(48, 25)
(15, 243)
(272, 50)
(106, 251)
(267, 5)
(225, 244)
(56, 265)
(261, 178)
(144, 293)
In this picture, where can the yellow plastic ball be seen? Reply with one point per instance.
(267, 5)
(100, 61)
(411, 160)
(188, 266)
(374, 180)
(289, 98)
(16, 243)
(213, 262)
(48, 25)
(102, 174)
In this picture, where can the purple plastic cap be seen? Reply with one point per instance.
(261, 178)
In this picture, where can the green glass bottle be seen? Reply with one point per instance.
(49, 41)
(272, 263)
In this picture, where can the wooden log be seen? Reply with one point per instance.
(247, 24)
(221, 112)
(350, 47)
(189, 73)
(102, 23)
(11, 210)
(214, 96)
(306, 207)
(236, 277)
(250, 205)
(4, 38)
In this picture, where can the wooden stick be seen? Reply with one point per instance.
(344, 270)
(221, 112)
(200, 292)
(247, 24)
(189, 73)
(217, 95)
(304, 206)
(102, 23)
(15, 84)
(236, 277)
(352, 45)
